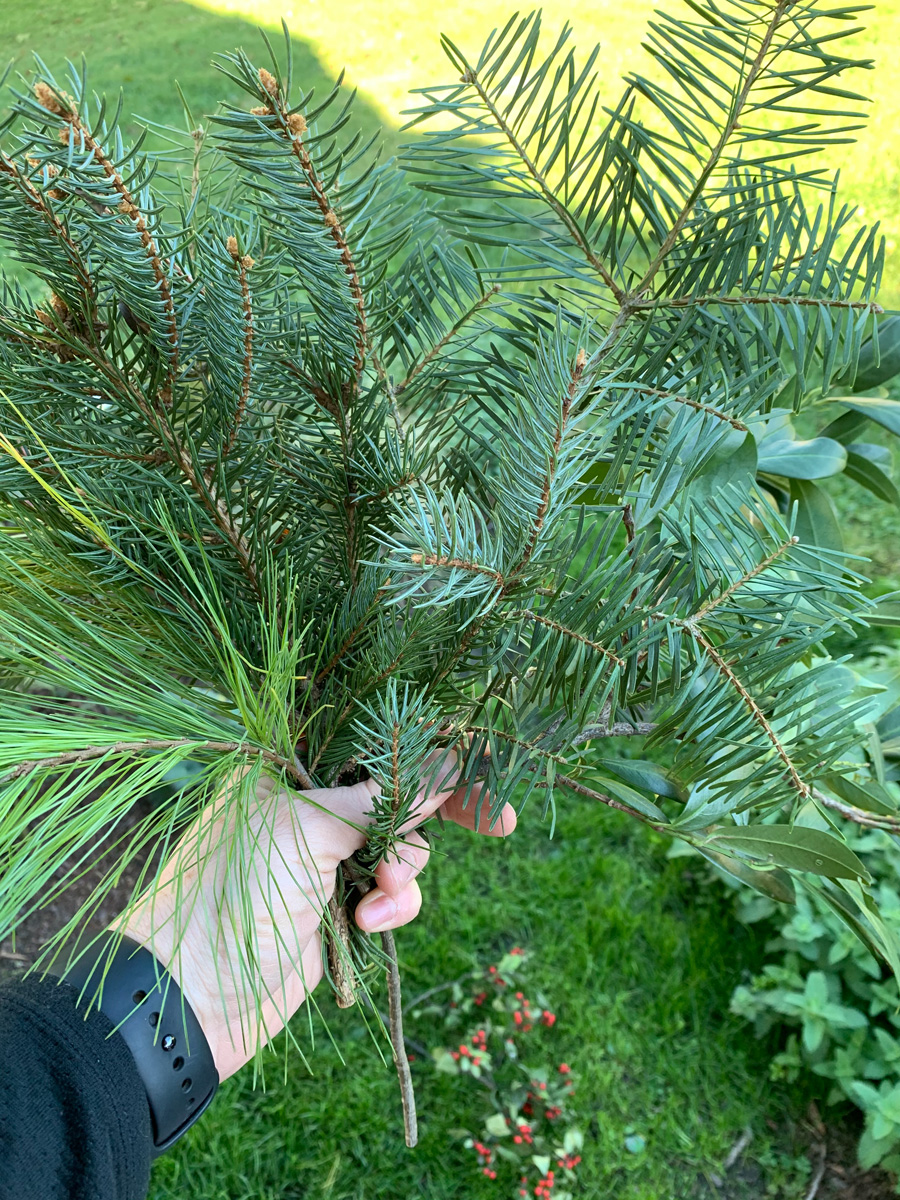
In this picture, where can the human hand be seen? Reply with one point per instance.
(236, 914)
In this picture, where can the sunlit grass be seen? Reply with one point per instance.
(142, 45)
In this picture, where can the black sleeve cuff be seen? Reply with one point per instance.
(74, 1117)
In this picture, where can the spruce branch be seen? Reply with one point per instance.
(242, 264)
(57, 227)
(293, 126)
(129, 208)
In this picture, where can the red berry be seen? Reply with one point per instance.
(564, 1068)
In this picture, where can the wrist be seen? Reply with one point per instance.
(156, 933)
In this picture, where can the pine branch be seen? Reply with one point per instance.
(150, 745)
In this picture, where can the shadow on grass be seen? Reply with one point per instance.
(142, 47)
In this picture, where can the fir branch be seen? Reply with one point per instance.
(759, 716)
(868, 306)
(714, 603)
(568, 221)
(571, 633)
(675, 398)
(540, 515)
(448, 337)
(754, 70)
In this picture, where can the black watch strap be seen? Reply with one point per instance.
(170, 1050)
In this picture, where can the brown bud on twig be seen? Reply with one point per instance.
(331, 219)
(297, 124)
(48, 99)
(232, 247)
(261, 110)
(268, 81)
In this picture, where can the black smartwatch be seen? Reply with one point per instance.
(170, 1050)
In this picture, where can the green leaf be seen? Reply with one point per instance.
(775, 884)
(496, 1125)
(815, 459)
(817, 523)
(885, 412)
(797, 848)
(870, 796)
(877, 365)
(643, 774)
(870, 476)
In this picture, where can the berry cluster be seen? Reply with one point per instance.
(530, 1125)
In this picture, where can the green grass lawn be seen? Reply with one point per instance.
(638, 958)
(142, 45)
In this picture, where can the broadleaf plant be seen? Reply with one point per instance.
(318, 466)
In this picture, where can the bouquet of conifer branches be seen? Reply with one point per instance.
(321, 466)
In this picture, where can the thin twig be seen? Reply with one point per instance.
(739, 583)
(858, 815)
(820, 1173)
(407, 1092)
(758, 715)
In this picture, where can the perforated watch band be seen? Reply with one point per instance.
(170, 1050)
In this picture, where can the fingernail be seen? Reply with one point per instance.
(401, 873)
(379, 914)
